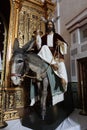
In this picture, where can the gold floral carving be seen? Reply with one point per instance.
(29, 21)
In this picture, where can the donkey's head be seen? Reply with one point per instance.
(18, 61)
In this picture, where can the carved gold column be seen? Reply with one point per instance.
(2, 102)
(13, 29)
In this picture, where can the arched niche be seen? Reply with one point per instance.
(4, 26)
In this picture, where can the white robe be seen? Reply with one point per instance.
(47, 56)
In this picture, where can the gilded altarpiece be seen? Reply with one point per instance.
(25, 18)
(29, 21)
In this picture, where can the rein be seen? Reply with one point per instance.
(35, 77)
(14, 74)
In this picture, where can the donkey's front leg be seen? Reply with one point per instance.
(44, 96)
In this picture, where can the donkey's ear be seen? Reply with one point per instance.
(28, 45)
(16, 44)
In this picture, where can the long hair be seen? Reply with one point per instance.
(46, 26)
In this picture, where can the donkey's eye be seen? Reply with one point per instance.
(20, 61)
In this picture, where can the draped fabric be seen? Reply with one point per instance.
(47, 56)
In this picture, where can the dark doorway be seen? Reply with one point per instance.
(4, 25)
(5, 10)
(82, 82)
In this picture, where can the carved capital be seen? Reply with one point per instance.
(17, 3)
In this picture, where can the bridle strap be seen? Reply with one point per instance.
(14, 74)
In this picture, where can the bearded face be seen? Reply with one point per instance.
(50, 27)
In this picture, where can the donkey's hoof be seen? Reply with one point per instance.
(43, 114)
(43, 118)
